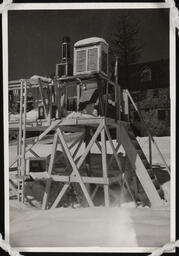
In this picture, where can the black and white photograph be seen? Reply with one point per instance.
(90, 116)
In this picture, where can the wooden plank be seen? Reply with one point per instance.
(88, 157)
(85, 179)
(118, 160)
(93, 139)
(42, 98)
(94, 192)
(112, 156)
(96, 142)
(37, 139)
(60, 195)
(104, 166)
(48, 183)
(100, 94)
(34, 153)
(75, 168)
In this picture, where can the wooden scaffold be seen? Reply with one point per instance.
(89, 130)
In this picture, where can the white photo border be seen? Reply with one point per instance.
(172, 58)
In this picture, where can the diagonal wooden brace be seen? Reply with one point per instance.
(118, 161)
(49, 181)
(74, 166)
(78, 165)
(37, 139)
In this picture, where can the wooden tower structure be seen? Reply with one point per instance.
(88, 105)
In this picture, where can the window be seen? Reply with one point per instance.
(155, 93)
(81, 61)
(146, 75)
(161, 115)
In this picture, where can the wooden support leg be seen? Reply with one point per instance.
(118, 161)
(59, 197)
(88, 157)
(104, 165)
(75, 169)
(76, 166)
(49, 181)
(94, 191)
(34, 153)
(112, 157)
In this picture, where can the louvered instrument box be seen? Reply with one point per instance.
(91, 55)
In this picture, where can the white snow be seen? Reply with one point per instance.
(91, 40)
(88, 227)
(31, 115)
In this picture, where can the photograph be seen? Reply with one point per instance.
(90, 128)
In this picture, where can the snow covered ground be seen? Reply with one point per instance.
(88, 227)
(124, 226)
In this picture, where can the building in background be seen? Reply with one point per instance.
(149, 86)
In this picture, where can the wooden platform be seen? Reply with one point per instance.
(76, 123)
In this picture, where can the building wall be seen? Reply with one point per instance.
(154, 105)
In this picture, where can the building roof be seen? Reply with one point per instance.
(159, 75)
(90, 40)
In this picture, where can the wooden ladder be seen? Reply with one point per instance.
(22, 140)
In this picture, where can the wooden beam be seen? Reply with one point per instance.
(34, 153)
(104, 166)
(60, 195)
(74, 166)
(85, 179)
(117, 160)
(42, 98)
(48, 183)
(112, 156)
(37, 139)
(92, 141)
(94, 191)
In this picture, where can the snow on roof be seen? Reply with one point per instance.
(91, 40)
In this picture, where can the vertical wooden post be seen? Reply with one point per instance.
(100, 95)
(104, 166)
(118, 92)
(88, 159)
(150, 152)
(78, 96)
(50, 105)
(24, 105)
(106, 99)
(50, 168)
(126, 105)
(20, 130)
(58, 94)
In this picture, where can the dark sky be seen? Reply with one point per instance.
(35, 36)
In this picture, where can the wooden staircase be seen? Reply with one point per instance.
(141, 165)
